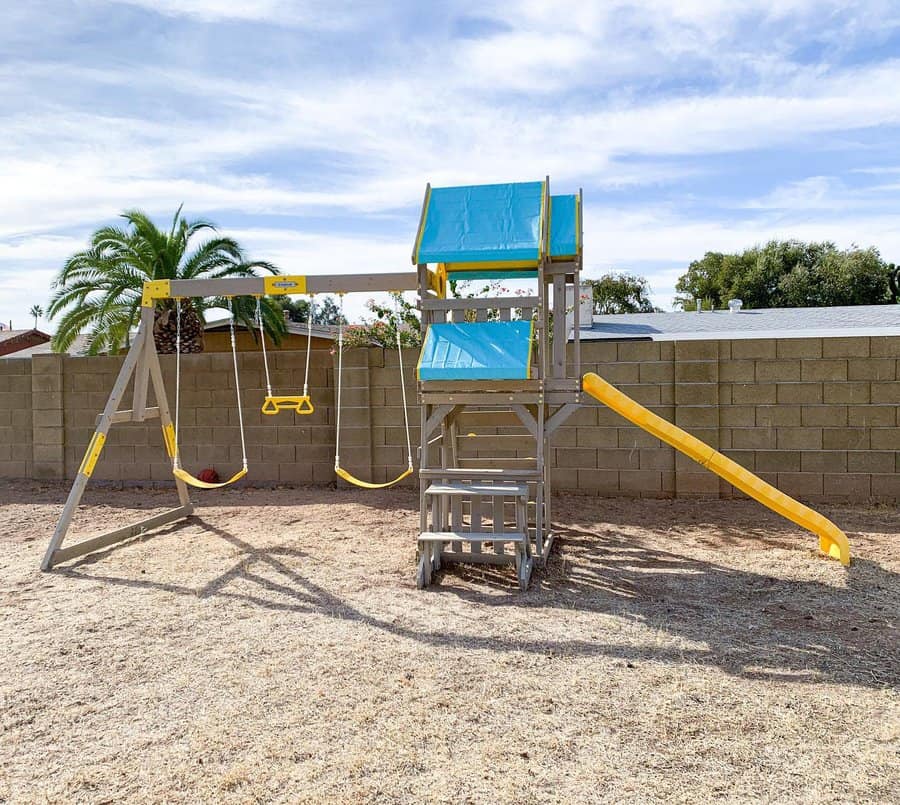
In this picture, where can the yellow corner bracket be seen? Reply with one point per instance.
(92, 454)
(169, 438)
(155, 289)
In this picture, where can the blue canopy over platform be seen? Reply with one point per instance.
(484, 350)
(483, 224)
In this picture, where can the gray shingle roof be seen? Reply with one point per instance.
(803, 322)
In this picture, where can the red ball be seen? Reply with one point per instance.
(209, 476)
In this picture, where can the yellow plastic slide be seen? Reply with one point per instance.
(832, 541)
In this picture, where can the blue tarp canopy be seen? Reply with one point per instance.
(493, 223)
(565, 226)
(483, 350)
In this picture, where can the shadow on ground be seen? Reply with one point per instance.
(745, 623)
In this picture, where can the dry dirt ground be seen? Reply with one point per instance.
(274, 648)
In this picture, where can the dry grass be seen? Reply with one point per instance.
(274, 648)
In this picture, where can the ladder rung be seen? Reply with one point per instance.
(474, 473)
(484, 490)
(471, 536)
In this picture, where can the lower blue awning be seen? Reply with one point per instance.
(484, 350)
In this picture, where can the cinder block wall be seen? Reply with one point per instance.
(816, 417)
(16, 419)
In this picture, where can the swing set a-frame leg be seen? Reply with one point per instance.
(142, 362)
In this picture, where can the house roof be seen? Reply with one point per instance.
(798, 322)
(79, 347)
(8, 335)
(293, 327)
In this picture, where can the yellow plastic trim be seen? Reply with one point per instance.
(421, 232)
(545, 207)
(279, 285)
(421, 353)
(530, 350)
(190, 480)
(491, 265)
(155, 289)
(437, 281)
(578, 223)
(832, 541)
(342, 473)
(169, 439)
(92, 454)
(299, 405)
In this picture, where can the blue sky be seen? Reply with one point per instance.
(309, 129)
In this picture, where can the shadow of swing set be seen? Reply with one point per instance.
(486, 364)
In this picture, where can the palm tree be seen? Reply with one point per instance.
(37, 311)
(100, 288)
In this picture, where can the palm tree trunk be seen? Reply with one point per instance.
(165, 329)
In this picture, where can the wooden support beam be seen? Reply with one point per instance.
(118, 535)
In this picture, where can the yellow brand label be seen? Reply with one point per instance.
(284, 284)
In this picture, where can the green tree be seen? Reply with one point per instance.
(620, 292)
(99, 289)
(37, 311)
(325, 311)
(787, 273)
(382, 330)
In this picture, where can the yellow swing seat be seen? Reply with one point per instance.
(298, 404)
(190, 480)
(342, 473)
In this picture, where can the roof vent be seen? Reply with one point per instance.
(735, 305)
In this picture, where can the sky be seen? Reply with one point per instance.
(308, 129)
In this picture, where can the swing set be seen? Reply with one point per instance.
(142, 365)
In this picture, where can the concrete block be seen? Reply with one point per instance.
(855, 438)
(13, 469)
(783, 370)
(662, 458)
(881, 438)
(52, 419)
(884, 346)
(647, 482)
(737, 416)
(799, 348)
(696, 394)
(799, 393)
(824, 416)
(746, 458)
(697, 416)
(856, 393)
(637, 351)
(599, 352)
(696, 351)
(754, 393)
(871, 460)
(884, 393)
(49, 436)
(599, 482)
(848, 486)
(823, 461)
(873, 369)
(696, 484)
(886, 487)
(783, 416)
(619, 373)
(595, 437)
(657, 372)
(568, 437)
(800, 484)
(696, 372)
(799, 439)
(576, 457)
(737, 372)
(777, 461)
(756, 348)
(631, 438)
(871, 416)
(754, 438)
(853, 347)
(833, 370)
(617, 459)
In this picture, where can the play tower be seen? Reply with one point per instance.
(495, 377)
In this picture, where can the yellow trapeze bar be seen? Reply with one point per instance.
(190, 480)
(299, 405)
(342, 473)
